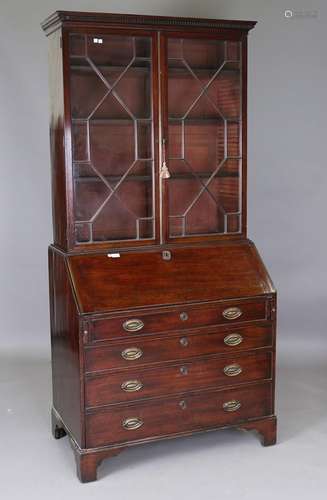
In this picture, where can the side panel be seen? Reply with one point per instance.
(66, 379)
(57, 141)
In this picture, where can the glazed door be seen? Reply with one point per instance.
(113, 107)
(201, 143)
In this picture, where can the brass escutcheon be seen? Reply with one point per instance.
(183, 370)
(184, 341)
(183, 316)
(232, 313)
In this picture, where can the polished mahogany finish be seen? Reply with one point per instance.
(191, 275)
(178, 414)
(179, 347)
(163, 315)
(190, 375)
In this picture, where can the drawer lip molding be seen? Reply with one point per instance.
(108, 357)
(155, 382)
(168, 415)
(157, 321)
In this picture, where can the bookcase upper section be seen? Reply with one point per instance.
(148, 129)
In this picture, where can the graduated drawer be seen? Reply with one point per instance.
(174, 415)
(205, 373)
(145, 350)
(179, 318)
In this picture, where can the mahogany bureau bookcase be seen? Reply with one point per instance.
(163, 316)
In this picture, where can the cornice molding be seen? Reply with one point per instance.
(58, 18)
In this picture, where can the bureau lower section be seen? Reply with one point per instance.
(133, 376)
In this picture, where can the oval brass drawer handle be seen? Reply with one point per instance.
(232, 313)
(232, 405)
(132, 423)
(133, 325)
(132, 353)
(233, 339)
(131, 385)
(232, 370)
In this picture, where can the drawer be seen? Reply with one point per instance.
(145, 350)
(174, 415)
(206, 373)
(181, 318)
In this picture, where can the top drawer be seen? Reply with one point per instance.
(179, 318)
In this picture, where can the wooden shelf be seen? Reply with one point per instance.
(202, 121)
(80, 63)
(115, 178)
(177, 121)
(202, 175)
(204, 70)
(114, 121)
(147, 178)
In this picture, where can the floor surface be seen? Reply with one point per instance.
(225, 464)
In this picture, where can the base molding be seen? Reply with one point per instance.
(88, 459)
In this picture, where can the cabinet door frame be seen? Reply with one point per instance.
(232, 35)
(68, 171)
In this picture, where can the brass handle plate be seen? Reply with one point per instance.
(132, 353)
(233, 339)
(131, 385)
(232, 370)
(232, 313)
(133, 325)
(232, 405)
(132, 423)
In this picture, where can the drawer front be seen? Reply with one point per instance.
(144, 351)
(119, 424)
(176, 319)
(103, 389)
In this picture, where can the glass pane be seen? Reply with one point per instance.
(204, 137)
(112, 134)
